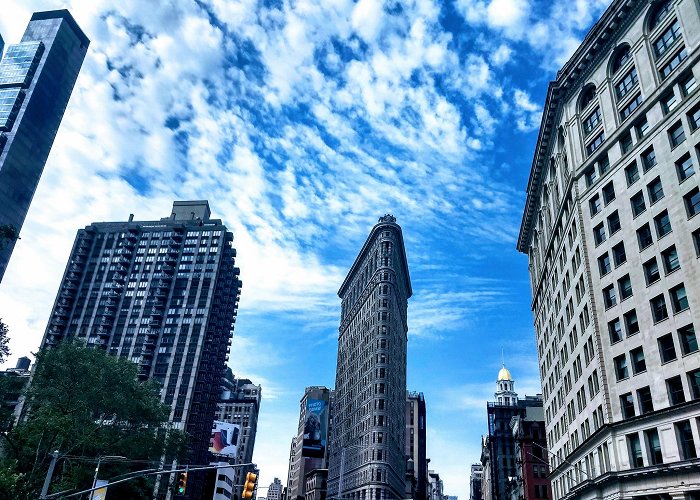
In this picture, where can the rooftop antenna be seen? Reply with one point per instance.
(503, 359)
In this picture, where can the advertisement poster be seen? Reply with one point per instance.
(101, 493)
(224, 439)
(315, 429)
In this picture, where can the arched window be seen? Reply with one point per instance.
(659, 13)
(587, 96)
(622, 55)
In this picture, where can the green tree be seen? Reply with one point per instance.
(85, 404)
(8, 234)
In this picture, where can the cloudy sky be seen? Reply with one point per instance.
(302, 122)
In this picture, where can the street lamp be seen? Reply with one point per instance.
(106, 458)
(342, 467)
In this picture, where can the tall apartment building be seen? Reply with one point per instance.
(612, 234)
(416, 442)
(498, 455)
(163, 294)
(531, 469)
(310, 446)
(367, 443)
(238, 409)
(274, 491)
(37, 77)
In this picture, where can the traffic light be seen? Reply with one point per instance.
(249, 485)
(181, 483)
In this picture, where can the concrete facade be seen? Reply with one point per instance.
(36, 81)
(416, 442)
(476, 476)
(612, 235)
(163, 294)
(368, 438)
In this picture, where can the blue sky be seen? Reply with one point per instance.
(302, 122)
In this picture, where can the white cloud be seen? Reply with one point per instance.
(501, 55)
(367, 19)
(528, 114)
(509, 14)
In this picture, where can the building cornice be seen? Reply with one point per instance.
(588, 54)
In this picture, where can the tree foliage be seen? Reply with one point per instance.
(87, 404)
(8, 234)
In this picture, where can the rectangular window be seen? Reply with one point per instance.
(630, 107)
(688, 84)
(658, 308)
(679, 299)
(621, 371)
(604, 264)
(632, 173)
(609, 296)
(608, 193)
(614, 222)
(667, 350)
(663, 224)
(676, 395)
(595, 144)
(684, 167)
(591, 176)
(644, 236)
(641, 126)
(603, 163)
(624, 284)
(615, 330)
(655, 190)
(670, 259)
(638, 205)
(689, 342)
(619, 255)
(694, 380)
(692, 202)
(631, 322)
(635, 449)
(639, 364)
(694, 118)
(676, 135)
(685, 440)
(675, 61)
(651, 271)
(654, 446)
(667, 39)
(668, 102)
(627, 405)
(629, 81)
(626, 143)
(595, 205)
(646, 403)
(649, 159)
(591, 122)
(599, 234)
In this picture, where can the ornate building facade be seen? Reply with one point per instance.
(367, 453)
(611, 231)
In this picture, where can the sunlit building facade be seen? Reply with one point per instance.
(612, 234)
(368, 437)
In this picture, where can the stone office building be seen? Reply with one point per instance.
(367, 443)
(612, 233)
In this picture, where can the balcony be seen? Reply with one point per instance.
(154, 322)
(119, 277)
(58, 321)
(62, 312)
(74, 277)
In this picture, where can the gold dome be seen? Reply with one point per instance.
(504, 374)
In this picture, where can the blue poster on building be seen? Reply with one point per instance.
(315, 429)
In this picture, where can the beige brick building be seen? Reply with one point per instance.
(613, 239)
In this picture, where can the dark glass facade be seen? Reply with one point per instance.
(37, 77)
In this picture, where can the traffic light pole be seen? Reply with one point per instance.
(148, 472)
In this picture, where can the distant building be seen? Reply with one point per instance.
(435, 486)
(274, 491)
(237, 411)
(309, 449)
(612, 234)
(368, 446)
(37, 77)
(532, 467)
(163, 294)
(498, 455)
(316, 484)
(475, 479)
(416, 441)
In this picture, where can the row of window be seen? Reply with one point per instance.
(651, 453)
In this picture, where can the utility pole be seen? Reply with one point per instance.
(49, 473)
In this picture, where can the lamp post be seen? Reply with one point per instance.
(107, 458)
(342, 467)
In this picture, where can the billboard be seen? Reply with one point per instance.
(315, 429)
(224, 438)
